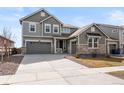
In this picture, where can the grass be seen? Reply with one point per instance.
(119, 74)
(98, 62)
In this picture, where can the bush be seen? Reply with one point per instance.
(94, 53)
(77, 55)
(14, 51)
(108, 56)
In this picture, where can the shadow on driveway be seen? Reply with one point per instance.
(35, 58)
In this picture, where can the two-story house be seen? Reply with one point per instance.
(44, 33)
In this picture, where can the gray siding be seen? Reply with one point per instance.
(108, 31)
(83, 37)
(37, 17)
(51, 21)
(25, 29)
(40, 26)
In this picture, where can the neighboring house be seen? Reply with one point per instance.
(6, 45)
(99, 38)
(44, 33)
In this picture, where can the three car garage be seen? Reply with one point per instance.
(38, 47)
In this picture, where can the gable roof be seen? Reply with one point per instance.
(6, 38)
(109, 28)
(37, 12)
(76, 33)
(84, 28)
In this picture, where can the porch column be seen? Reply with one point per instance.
(121, 48)
(108, 51)
(55, 45)
(70, 46)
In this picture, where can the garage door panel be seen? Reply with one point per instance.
(38, 47)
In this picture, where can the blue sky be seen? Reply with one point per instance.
(9, 17)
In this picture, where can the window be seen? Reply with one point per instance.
(66, 30)
(55, 28)
(47, 28)
(90, 42)
(93, 42)
(92, 29)
(32, 27)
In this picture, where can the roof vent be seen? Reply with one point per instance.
(42, 14)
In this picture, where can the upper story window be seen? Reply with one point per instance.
(93, 42)
(47, 28)
(92, 29)
(66, 30)
(55, 28)
(32, 27)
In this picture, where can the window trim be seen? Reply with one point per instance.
(55, 25)
(93, 43)
(45, 28)
(32, 23)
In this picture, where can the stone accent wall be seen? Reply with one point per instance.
(83, 49)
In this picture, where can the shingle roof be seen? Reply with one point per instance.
(76, 33)
(69, 26)
(108, 30)
(6, 38)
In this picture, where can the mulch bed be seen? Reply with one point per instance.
(10, 65)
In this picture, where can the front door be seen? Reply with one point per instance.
(113, 48)
(61, 44)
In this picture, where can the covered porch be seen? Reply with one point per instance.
(60, 45)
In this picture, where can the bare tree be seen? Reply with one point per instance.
(6, 32)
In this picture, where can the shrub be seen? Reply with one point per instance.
(94, 53)
(14, 51)
(77, 55)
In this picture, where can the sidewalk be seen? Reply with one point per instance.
(56, 78)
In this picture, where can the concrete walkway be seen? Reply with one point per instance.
(55, 69)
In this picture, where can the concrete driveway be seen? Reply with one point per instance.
(55, 69)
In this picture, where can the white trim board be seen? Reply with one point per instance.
(32, 23)
(29, 40)
(46, 24)
(83, 30)
(55, 25)
(37, 36)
